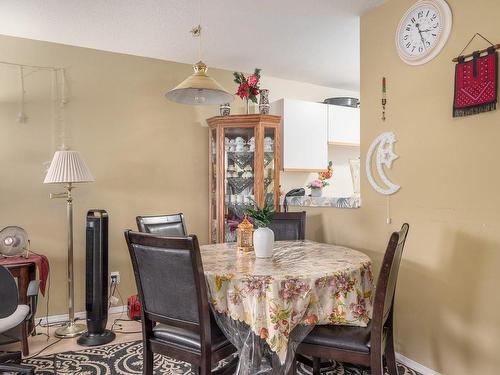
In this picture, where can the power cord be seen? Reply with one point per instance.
(114, 289)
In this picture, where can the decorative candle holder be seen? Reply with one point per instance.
(244, 236)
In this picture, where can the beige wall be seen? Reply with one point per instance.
(448, 301)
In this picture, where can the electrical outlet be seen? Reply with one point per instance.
(115, 277)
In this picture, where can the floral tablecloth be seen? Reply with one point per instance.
(304, 283)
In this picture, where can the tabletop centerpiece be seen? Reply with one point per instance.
(248, 87)
(263, 237)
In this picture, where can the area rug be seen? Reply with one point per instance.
(126, 359)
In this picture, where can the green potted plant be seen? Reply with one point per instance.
(263, 237)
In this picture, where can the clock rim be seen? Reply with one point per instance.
(447, 21)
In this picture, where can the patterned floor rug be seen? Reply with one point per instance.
(126, 359)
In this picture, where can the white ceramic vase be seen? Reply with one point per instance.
(263, 240)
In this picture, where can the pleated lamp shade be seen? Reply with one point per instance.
(199, 89)
(68, 166)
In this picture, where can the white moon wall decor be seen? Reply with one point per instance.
(384, 147)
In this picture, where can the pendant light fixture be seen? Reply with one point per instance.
(199, 88)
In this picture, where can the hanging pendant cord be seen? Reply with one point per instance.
(199, 27)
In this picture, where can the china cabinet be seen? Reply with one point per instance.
(244, 167)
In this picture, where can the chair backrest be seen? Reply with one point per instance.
(388, 277)
(170, 280)
(8, 293)
(163, 225)
(289, 226)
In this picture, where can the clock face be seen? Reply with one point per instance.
(423, 31)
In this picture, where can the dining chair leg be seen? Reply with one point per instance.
(376, 364)
(147, 358)
(316, 366)
(293, 367)
(390, 355)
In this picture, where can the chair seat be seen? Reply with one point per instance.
(186, 339)
(14, 319)
(355, 339)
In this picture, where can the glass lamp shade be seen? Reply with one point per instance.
(199, 89)
(68, 167)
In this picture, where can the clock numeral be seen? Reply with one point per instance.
(408, 45)
(408, 28)
(420, 49)
(406, 37)
(420, 14)
(413, 20)
(413, 49)
(434, 35)
(427, 14)
(434, 16)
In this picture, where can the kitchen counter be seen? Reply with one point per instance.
(338, 202)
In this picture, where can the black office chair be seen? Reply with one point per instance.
(176, 317)
(12, 315)
(289, 226)
(366, 346)
(162, 225)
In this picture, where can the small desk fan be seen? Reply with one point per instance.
(13, 242)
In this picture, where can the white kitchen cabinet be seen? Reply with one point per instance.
(343, 125)
(304, 134)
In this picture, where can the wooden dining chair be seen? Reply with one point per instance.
(162, 225)
(366, 346)
(289, 226)
(176, 319)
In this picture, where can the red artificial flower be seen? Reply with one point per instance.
(253, 80)
(243, 90)
(255, 91)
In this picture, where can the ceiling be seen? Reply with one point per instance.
(310, 41)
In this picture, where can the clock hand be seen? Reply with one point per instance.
(421, 36)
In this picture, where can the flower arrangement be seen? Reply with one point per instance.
(322, 177)
(317, 184)
(248, 87)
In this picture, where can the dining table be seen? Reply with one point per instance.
(267, 306)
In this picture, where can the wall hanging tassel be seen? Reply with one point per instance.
(388, 218)
(384, 97)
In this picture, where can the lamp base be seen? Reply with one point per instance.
(70, 330)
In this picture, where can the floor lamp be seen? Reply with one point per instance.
(67, 167)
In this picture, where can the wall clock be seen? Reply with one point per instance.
(423, 31)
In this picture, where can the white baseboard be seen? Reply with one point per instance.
(80, 315)
(415, 365)
(123, 309)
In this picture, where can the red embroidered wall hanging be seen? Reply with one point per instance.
(476, 84)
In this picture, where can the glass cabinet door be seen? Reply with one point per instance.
(270, 171)
(213, 186)
(239, 177)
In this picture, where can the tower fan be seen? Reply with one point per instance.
(96, 284)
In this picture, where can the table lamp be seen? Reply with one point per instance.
(67, 167)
